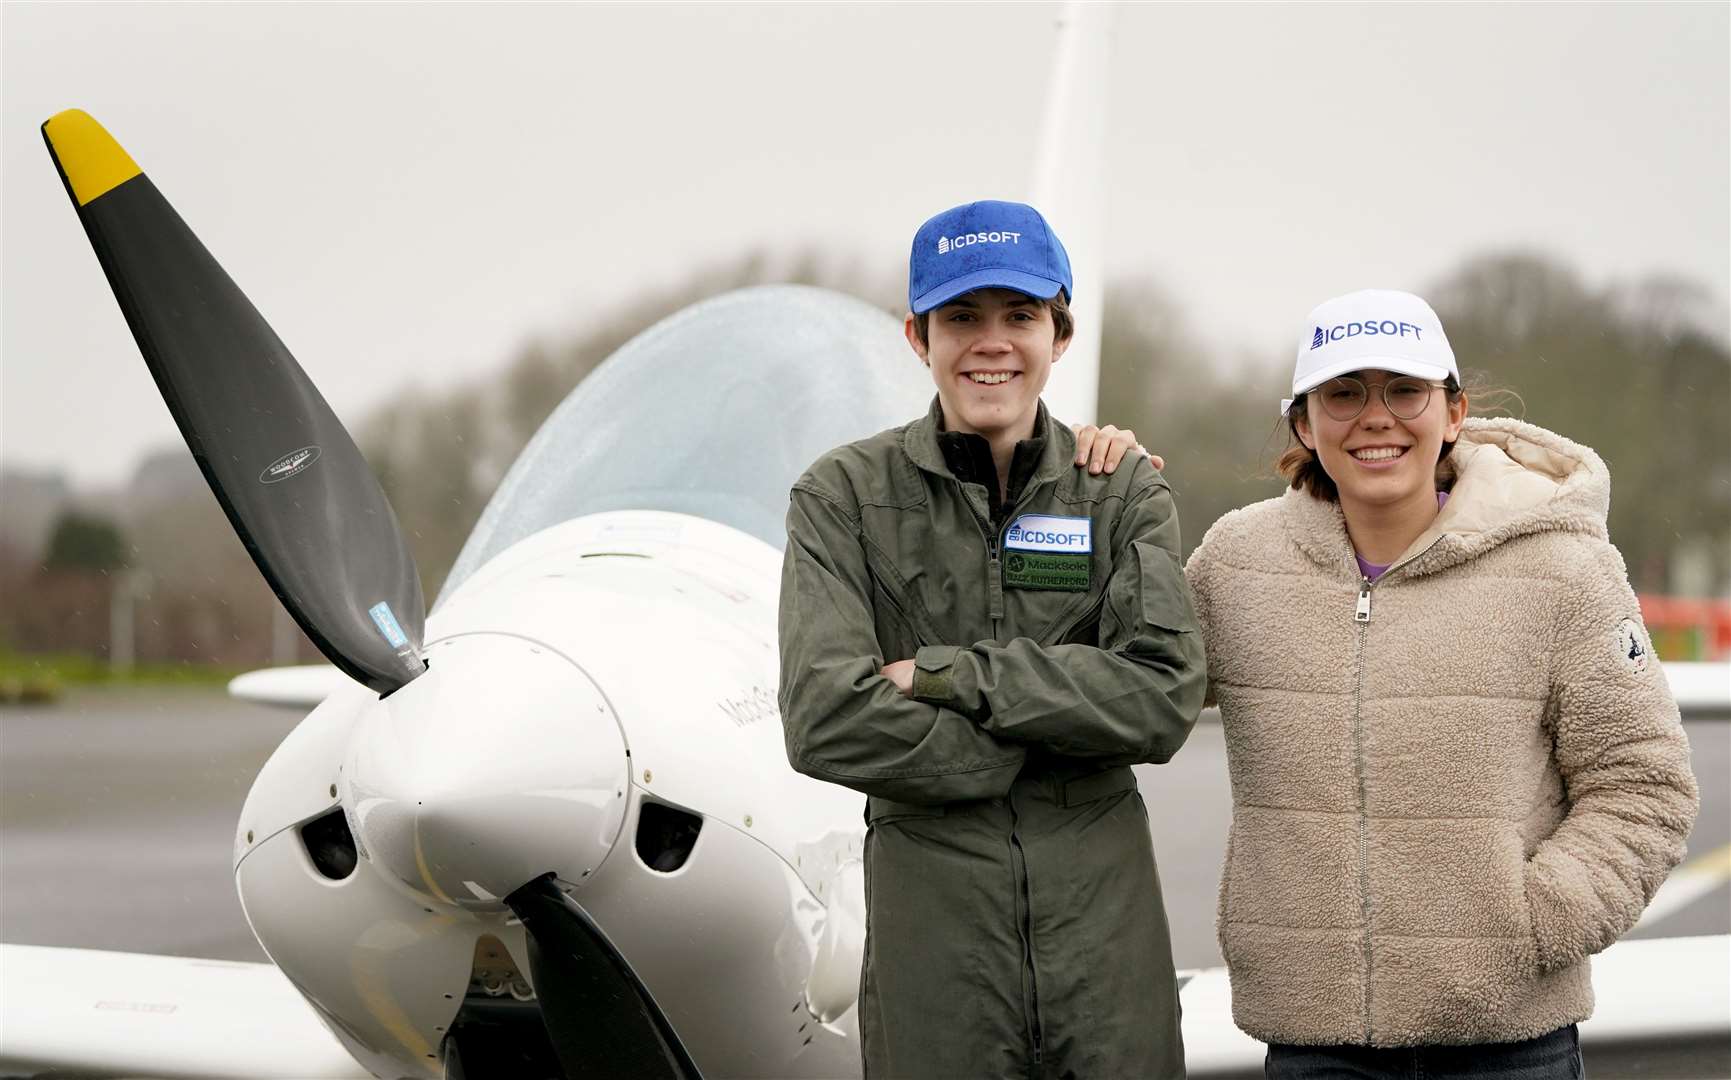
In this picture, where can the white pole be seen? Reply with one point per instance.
(125, 586)
(1070, 189)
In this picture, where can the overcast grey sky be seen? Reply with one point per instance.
(410, 192)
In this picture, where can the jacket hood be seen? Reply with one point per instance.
(1511, 479)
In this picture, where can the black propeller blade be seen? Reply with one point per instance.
(601, 1018)
(286, 472)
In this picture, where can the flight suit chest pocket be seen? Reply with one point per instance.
(1063, 618)
(1161, 592)
(1053, 593)
(900, 619)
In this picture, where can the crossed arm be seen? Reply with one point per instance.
(850, 720)
(1099, 450)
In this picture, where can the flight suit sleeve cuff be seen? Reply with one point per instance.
(933, 669)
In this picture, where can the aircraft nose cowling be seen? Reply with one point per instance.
(502, 763)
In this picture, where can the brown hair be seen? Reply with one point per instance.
(1063, 323)
(1299, 465)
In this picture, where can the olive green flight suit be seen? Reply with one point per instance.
(1014, 920)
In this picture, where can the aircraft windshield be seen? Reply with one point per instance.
(713, 412)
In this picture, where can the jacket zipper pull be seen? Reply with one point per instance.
(1362, 612)
(994, 584)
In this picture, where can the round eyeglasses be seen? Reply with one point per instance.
(1406, 397)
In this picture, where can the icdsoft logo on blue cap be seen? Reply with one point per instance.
(986, 245)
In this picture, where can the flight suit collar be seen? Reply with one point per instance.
(920, 443)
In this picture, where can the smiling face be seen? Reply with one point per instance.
(1376, 459)
(990, 353)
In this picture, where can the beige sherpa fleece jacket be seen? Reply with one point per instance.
(1452, 787)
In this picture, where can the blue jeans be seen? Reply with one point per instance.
(1556, 1056)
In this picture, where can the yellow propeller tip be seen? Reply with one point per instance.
(94, 164)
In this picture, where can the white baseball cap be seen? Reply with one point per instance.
(1372, 329)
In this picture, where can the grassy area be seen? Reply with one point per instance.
(42, 676)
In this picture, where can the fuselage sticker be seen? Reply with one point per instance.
(289, 464)
(749, 707)
(387, 624)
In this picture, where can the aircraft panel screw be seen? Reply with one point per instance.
(333, 791)
(748, 821)
(249, 836)
(647, 776)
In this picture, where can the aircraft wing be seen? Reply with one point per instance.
(1213, 1045)
(98, 1014)
(1663, 1008)
(300, 687)
(1702, 689)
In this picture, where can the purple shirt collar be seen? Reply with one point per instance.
(1371, 571)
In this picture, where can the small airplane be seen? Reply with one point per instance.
(548, 829)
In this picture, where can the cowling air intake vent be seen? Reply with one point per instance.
(665, 836)
(330, 845)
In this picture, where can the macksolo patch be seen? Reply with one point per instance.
(1632, 646)
(1033, 570)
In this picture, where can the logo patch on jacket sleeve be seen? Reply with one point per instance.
(1042, 551)
(1632, 645)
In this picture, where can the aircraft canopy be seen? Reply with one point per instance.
(713, 412)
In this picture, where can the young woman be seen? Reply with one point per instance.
(1457, 770)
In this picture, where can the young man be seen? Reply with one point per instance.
(983, 638)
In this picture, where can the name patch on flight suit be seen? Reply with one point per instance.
(1046, 552)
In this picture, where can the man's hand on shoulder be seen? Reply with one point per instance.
(1101, 449)
(902, 674)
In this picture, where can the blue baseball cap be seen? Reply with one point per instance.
(985, 245)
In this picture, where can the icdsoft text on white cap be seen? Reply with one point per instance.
(1372, 330)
